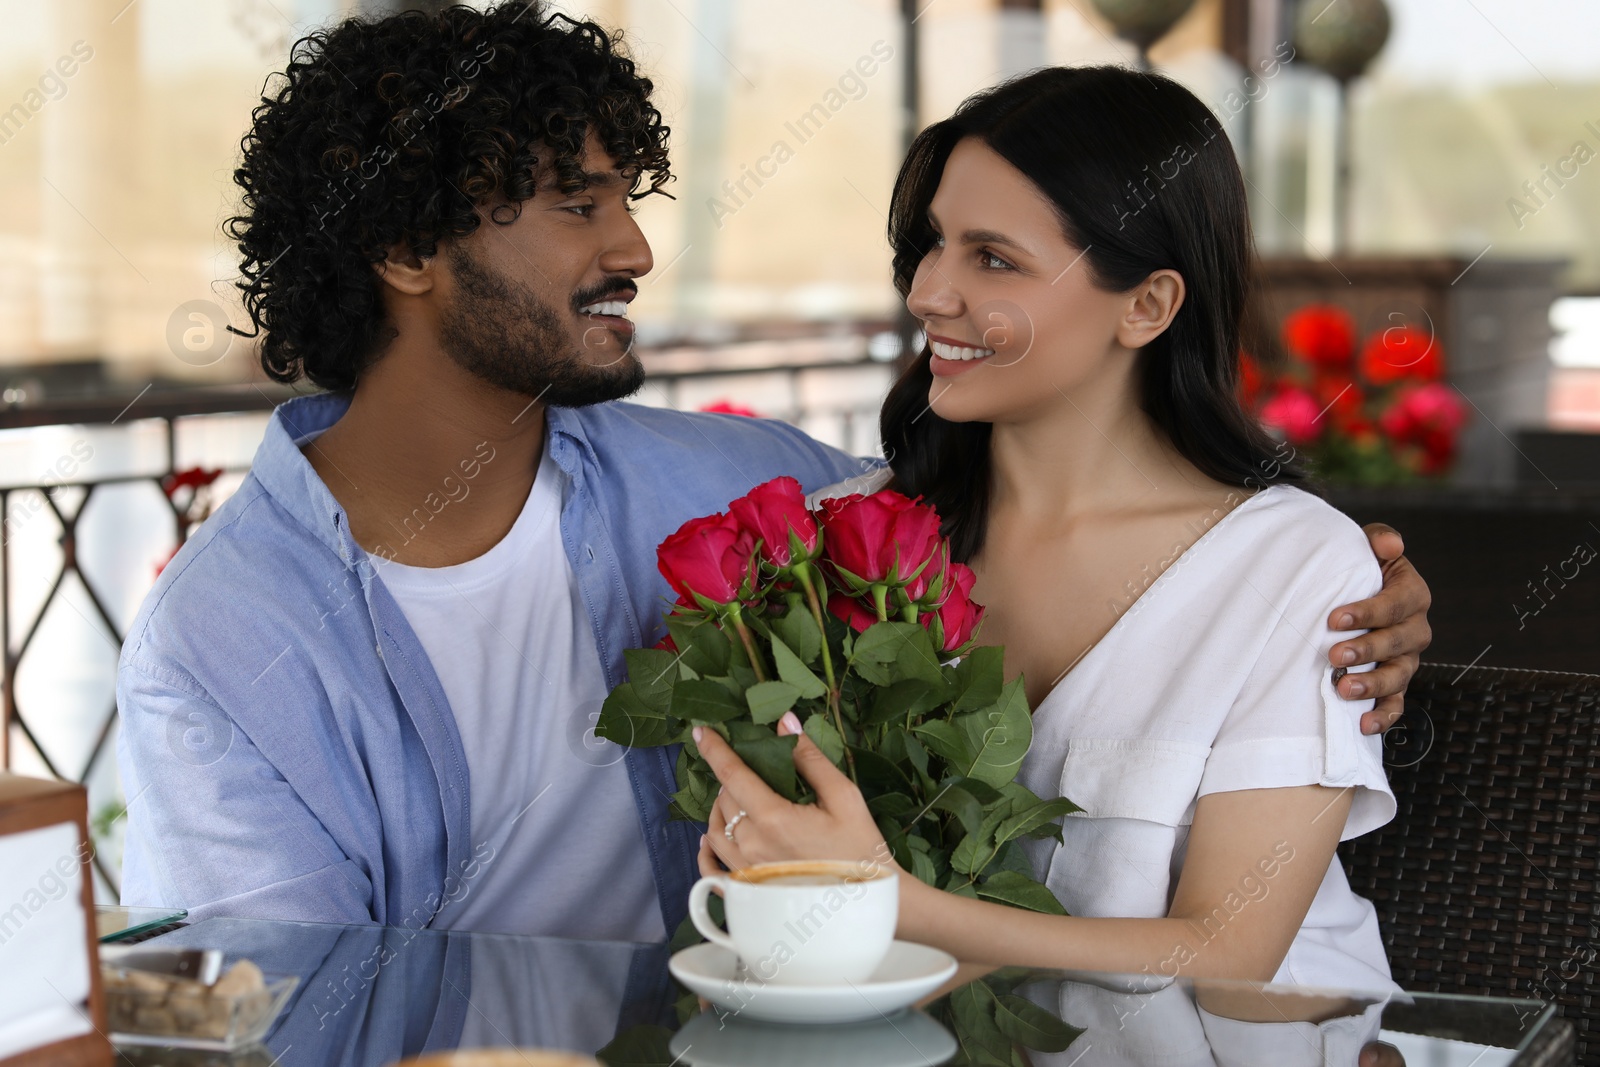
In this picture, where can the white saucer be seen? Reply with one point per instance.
(907, 1039)
(907, 973)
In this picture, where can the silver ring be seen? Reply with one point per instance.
(727, 831)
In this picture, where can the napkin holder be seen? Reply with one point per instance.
(52, 1010)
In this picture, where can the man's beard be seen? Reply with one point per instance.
(505, 335)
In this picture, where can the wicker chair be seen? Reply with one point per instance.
(1486, 881)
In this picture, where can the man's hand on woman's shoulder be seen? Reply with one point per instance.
(1397, 621)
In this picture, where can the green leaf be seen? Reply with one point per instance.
(947, 742)
(797, 674)
(652, 672)
(1020, 891)
(702, 785)
(798, 630)
(974, 850)
(915, 753)
(704, 701)
(976, 1029)
(703, 644)
(878, 675)
(639, 1046)
(772, 757)
(998, 735)
(686, 807)
(826, 737)
(881, 642)
(1031, 1026)
(893, 703)
(922, 868)
(877, 775)
(917, 659)
(1011, 857)
(962, 804)
(979, 675)
(892, 806)
(626, 720)
(687, 935)
(769, 700)
(986, 793)
(744, 730)
(1028, 819)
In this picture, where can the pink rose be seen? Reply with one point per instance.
(711, 557)
(776, 513)
(882, 538)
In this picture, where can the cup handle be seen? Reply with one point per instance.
(702, 916)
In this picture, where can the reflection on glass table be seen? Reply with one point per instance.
(374, 996)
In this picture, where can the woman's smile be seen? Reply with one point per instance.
(951, 357)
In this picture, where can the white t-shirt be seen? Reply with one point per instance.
(1216, 679)
(517, 659)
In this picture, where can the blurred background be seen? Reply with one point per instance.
(1422, 189)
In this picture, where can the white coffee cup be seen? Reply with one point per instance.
(806, 922)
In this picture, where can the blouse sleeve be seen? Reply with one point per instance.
(1289, 726)
(865, 484)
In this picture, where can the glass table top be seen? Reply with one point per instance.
(374, 996)
(115, 923)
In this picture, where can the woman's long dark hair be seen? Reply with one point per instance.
(1143, 178)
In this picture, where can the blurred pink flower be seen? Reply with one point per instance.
(728, 407)
(1295, 412)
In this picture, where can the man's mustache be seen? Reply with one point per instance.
(610, 287)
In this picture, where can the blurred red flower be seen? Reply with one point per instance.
(1251, 380)
(1340, 398)
(194, 478)
(1402, 352)
(1321, 334)
(1429, 416)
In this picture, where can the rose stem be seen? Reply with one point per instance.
(804, 574)
(749, 644)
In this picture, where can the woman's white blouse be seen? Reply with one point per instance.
(1215, 678)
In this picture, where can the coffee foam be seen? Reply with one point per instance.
(810, 873)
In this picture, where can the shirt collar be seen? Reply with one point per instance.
(568, 423)
(288, 477)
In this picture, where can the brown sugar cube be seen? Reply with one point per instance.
(143, 983)
(242, 977)
(152, 1020)
(219, 1013)
(188, 1011)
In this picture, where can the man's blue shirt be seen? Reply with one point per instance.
(286, 748)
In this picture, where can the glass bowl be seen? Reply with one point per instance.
(195, 1017)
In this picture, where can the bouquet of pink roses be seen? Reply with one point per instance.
(855, 618)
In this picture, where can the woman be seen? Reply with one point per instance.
(1077, 245)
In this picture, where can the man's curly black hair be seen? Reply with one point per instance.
(392, 132)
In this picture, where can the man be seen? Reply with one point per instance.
(360, 692)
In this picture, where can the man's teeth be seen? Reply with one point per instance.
(610, 307)
(944, 351)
